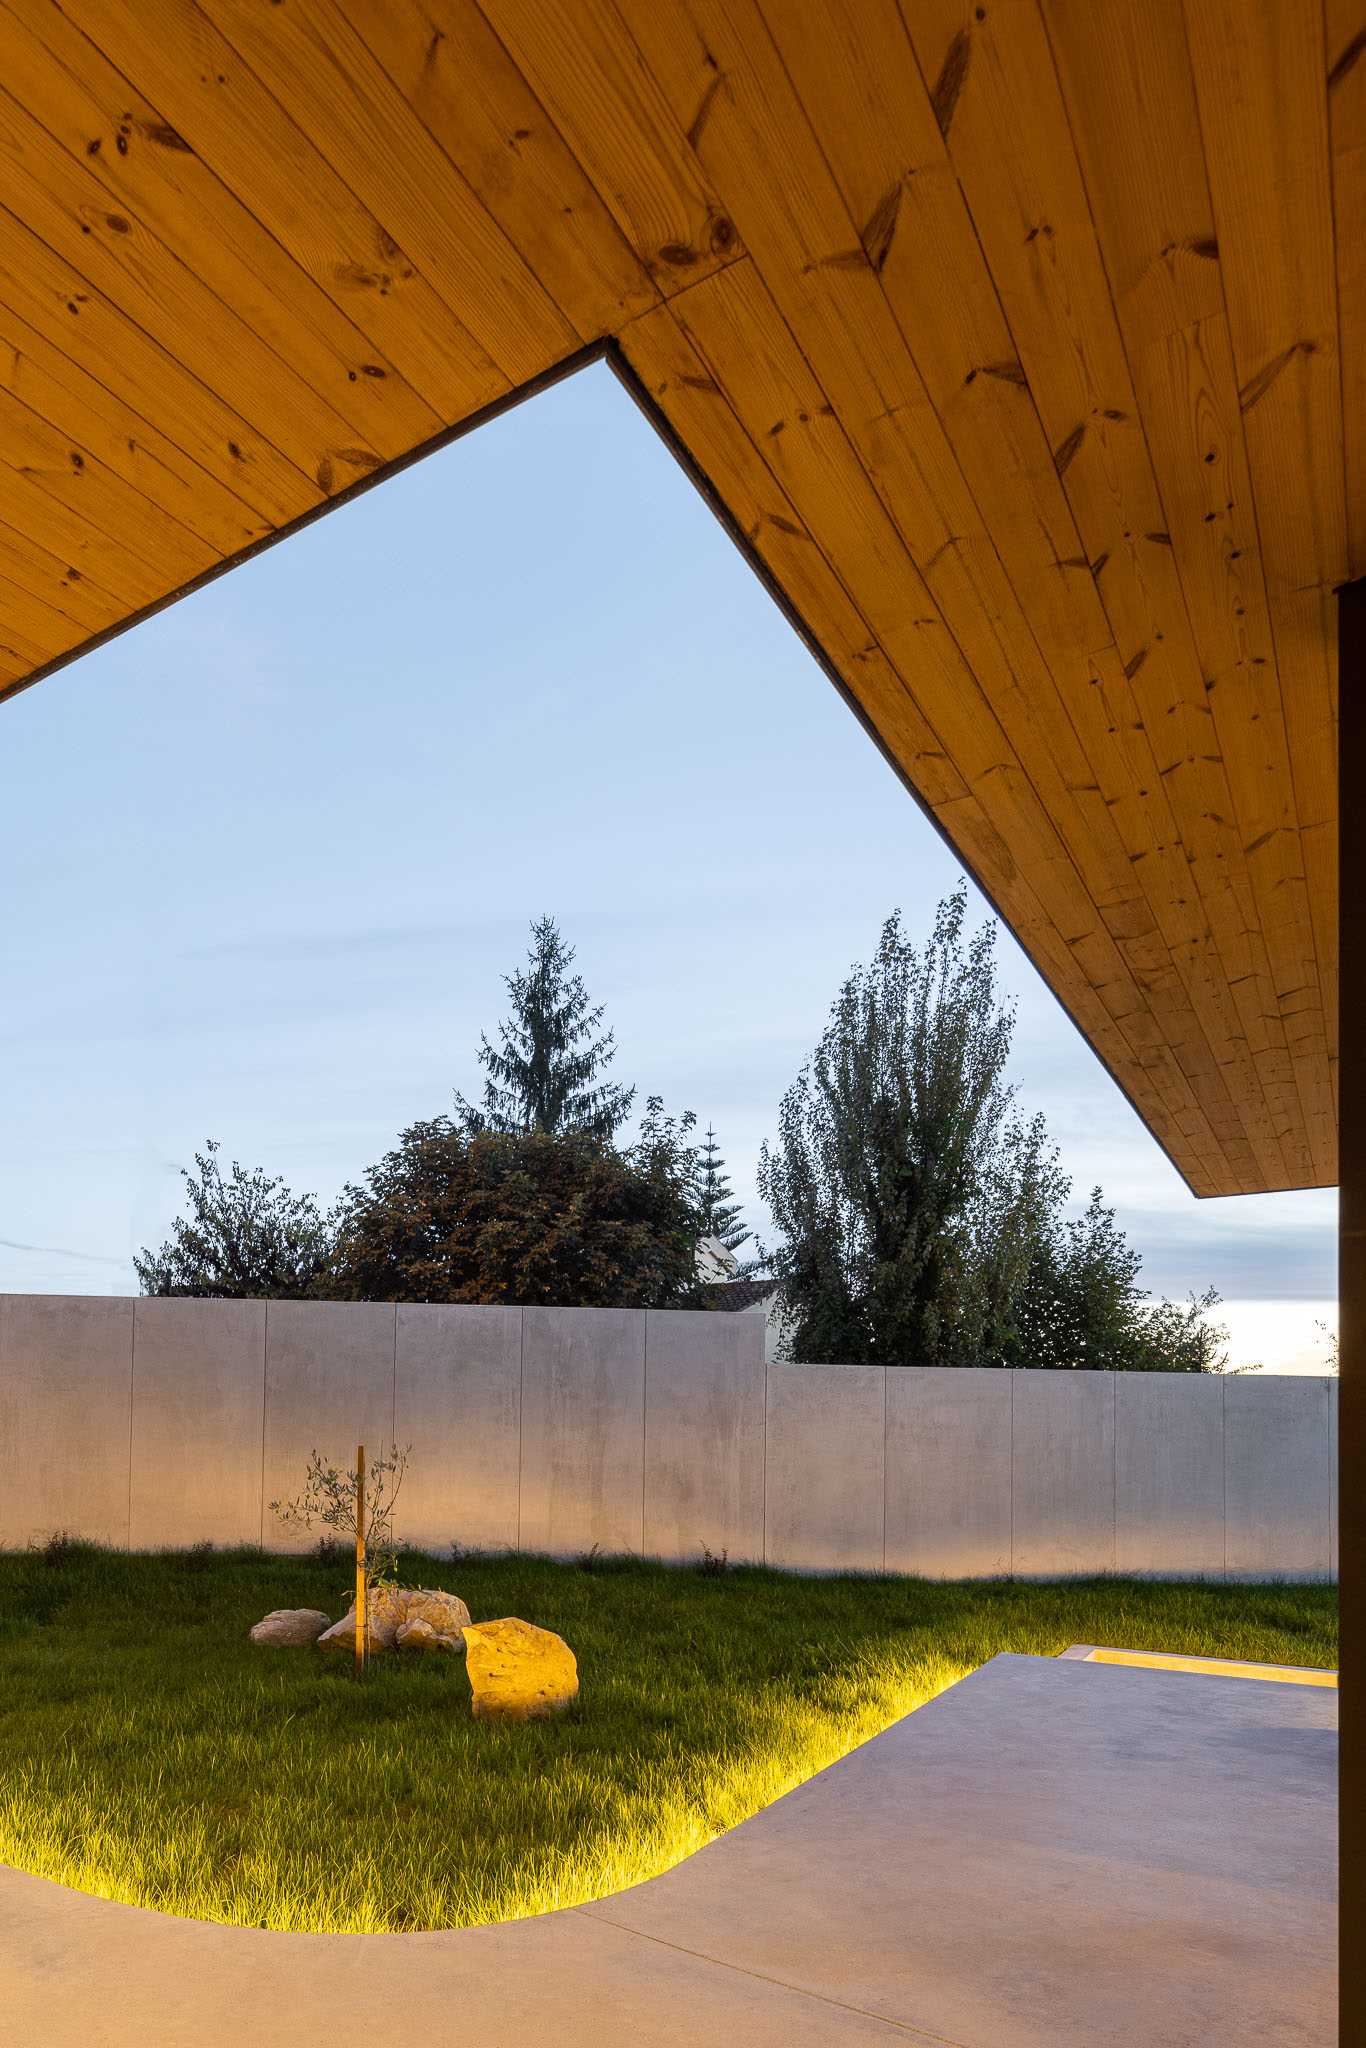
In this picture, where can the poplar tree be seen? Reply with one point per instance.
(924, 1219)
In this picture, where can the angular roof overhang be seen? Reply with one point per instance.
(1020, 345)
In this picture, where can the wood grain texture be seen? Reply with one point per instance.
(1021, 345)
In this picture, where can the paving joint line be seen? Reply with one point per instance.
(781, 1983)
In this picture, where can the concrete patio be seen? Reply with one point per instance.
(1053, 1853)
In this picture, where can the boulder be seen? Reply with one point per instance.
(289, 1628)
(518, 1672)
(388, 1610)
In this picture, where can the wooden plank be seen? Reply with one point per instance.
(1126, 80)
(1008, 141)
(855, 69)
(64, 202)
(770, 172)
(151, 175)
(1261, 87)
(460, 81)
(60, 304)
(20, 653)
(316, 65)
(1345, 56)
(69, 505)
(214, 100)
(77, 597)
(37, 453)
(85, 413)
(600, 94)
(733, 331)
(45, 625)
(685, 390)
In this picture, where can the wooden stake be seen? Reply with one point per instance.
(362, 1618)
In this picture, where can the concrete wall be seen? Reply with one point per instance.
(149, 1423)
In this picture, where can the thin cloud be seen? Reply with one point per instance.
(61, 1251)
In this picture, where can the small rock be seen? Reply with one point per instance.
(290, 1628)
(445, 1614)
(389, 1608)
(518, 1672)
(382, 1617)
(418, 1634)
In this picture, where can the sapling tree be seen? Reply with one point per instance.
(359, 1506)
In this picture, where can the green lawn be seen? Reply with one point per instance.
(149, 1753)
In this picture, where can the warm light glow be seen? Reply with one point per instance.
(1205, 1667)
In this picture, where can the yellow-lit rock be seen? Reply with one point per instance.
(517, 1672)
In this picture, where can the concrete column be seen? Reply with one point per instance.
(1352, 1287)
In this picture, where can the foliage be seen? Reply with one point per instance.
(246, 1237)
(523, 1217)
(329, 1498)
(882, 1139)
(1081, 1306)
(923, 1216)
(189, 1770)
(719, 1214)
(544, 1074)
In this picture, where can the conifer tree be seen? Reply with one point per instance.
(718, 1212)
(544, 1074)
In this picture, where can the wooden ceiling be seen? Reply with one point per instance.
(1014, 340)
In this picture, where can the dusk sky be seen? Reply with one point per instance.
(268, 856)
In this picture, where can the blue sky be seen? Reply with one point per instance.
(268, 856)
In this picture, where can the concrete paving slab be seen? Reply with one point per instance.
(1053, 1853)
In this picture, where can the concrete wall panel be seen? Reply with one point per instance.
(1169, 1474)
(198, 1407)
(174, 1422)
(583, 1429)
(948, 1472)
(458, 1402)
(1276, 1484)
(1063, 1473)
(66, 1364)
(329, 1387)
(704, 1435)
(824, 1479)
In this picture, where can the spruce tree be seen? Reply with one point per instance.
(719, 1213)
(544, 1074)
